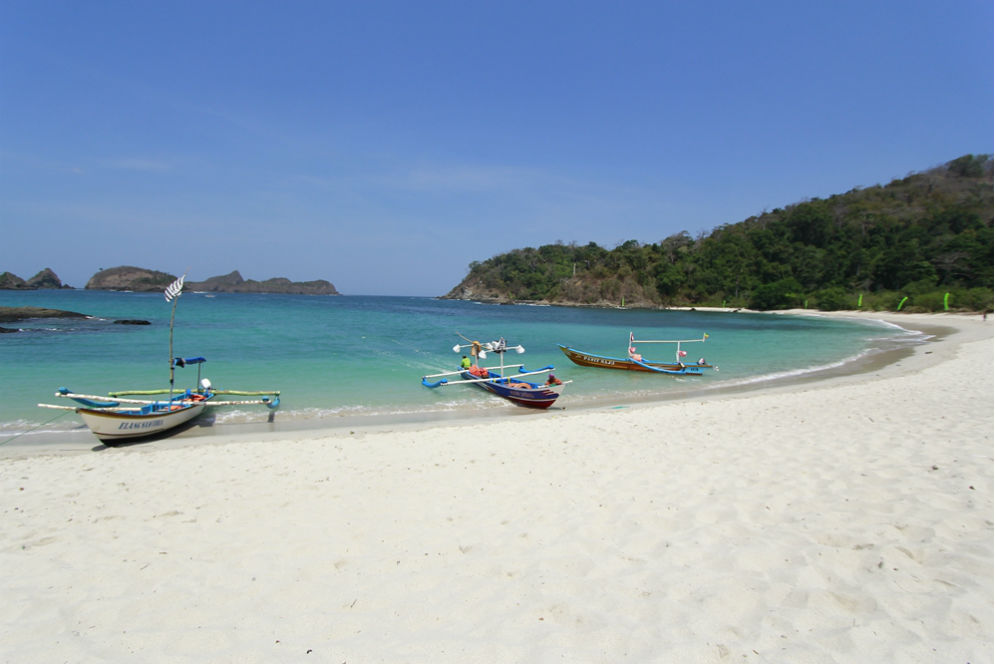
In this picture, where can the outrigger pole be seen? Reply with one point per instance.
(678, 353)
(665, 341)
(677, 350)
(479, 350)
(468, 381)
(106, 402)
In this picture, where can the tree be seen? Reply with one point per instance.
(782, 294)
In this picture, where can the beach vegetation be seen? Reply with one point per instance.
(782, 294)
(834, 298)
(927, 237)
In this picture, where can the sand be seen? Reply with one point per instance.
(843, 520)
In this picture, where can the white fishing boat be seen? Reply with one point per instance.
(117, 417)
(119, 422)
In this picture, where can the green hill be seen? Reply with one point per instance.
(919, 238)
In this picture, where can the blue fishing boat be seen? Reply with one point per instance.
(514, 387)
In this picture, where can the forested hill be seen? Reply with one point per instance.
(927, 238)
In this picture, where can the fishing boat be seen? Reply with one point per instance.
(122, 419)
(513, 387)
(635, 361)
(117, 417)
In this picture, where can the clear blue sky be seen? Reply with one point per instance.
(386, 145)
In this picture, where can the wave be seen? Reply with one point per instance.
(797, 373)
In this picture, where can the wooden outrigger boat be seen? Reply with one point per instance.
(493, 379)
(115, 417)
(636, 362)
(123, 419)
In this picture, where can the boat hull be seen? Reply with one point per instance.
(584, 359)
(519, 392)
(120, 424)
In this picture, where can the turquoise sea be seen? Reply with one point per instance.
(364, 356)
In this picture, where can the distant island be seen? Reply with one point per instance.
(128, 278)
(234, 283)
(44, 279)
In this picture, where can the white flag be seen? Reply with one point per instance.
(173, 290)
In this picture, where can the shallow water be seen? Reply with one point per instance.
(363, 355)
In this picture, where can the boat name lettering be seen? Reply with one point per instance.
(140, 425)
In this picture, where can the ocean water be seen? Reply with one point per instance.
(365, 356)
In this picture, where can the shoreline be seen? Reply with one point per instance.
(80, 440)
(848, 519)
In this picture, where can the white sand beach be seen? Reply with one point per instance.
(843, 520)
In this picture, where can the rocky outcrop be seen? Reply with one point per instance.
(471, 289)
(222, 284)
(44, 279)
(128, 278)
(11, 314)
(626, 292)
(234, 283)
(10, 281)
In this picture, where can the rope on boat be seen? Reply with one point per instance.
(33, 429)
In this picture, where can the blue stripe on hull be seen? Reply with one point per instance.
(535, 396)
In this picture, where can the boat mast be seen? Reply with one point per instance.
(173, 294)
(172, 315)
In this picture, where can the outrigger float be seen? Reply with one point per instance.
(493, 379)
(636, 362)
(117, 417)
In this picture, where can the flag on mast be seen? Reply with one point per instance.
(173, 290)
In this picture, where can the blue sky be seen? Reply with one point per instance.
(384, 146)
